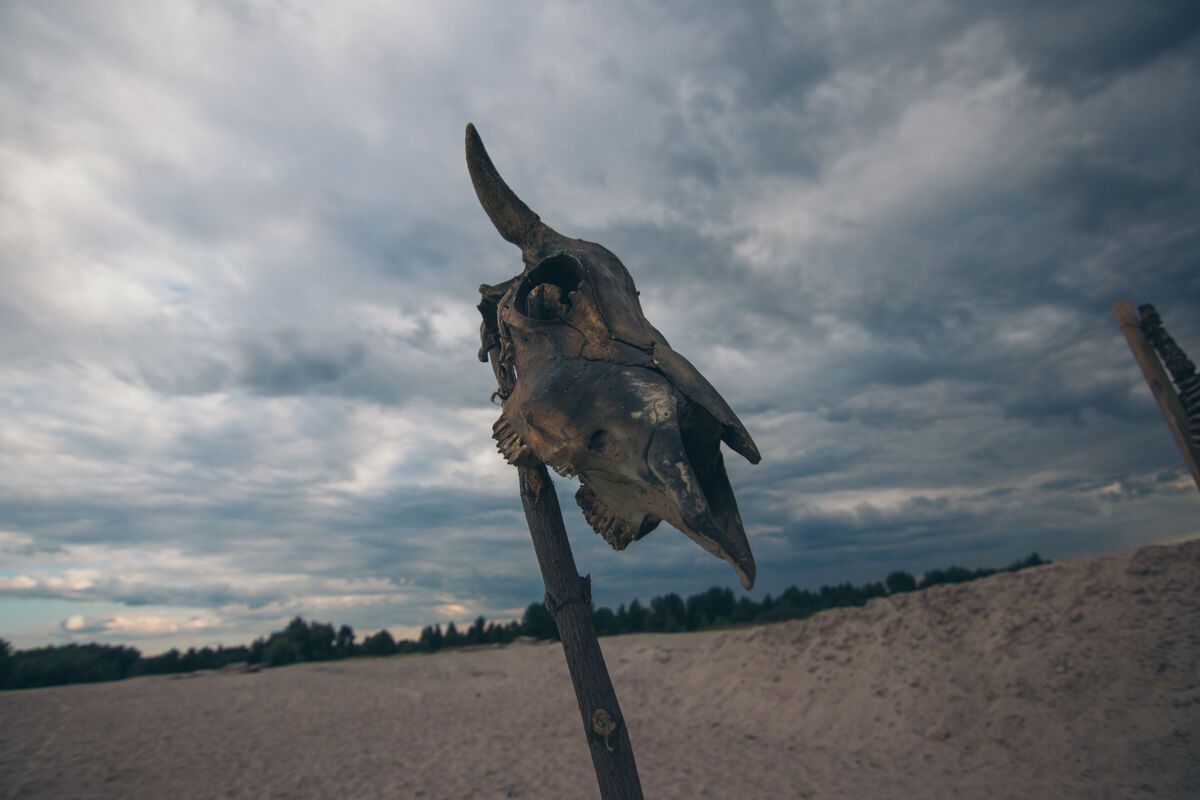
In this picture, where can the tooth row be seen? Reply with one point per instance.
(563, 468)
(617, 532)
(510, 444)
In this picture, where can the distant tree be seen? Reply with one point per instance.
(745, 611)
(900, 581)
(344, 645)
(792, 604)
(1031, 560)
(72, 663)
(256, 650)
(431, 638)
(538, 623)
(321, 644)
(703, 609)
(189, 661)
(280, 651)
(297, 632)
(872, 590)
(667, 614)
(6, 653)
(605, 621)
(406, 646)
(956, 574)
(238, 654)
(840, 595)
(636, 617)
(477, 633)
(162, 664)
(795, 603)
(622, 620)
(379, 644)
(765, 606)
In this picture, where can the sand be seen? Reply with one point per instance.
(1077, 680)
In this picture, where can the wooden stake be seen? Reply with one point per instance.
(569, 600)
(1160, 385)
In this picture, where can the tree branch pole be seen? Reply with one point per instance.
(1160, 385)
(569, 601)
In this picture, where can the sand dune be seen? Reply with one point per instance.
(1076, 680)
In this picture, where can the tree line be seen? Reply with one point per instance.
(303, 640)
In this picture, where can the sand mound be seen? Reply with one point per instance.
(1076, 680)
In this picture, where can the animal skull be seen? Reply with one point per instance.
(590, 388)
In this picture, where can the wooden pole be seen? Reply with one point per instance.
(569, 601)
(1160, 384)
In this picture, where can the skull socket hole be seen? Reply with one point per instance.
(546, 291)
(701, 435)
(598, 441)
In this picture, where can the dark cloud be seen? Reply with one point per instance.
(1096, 192)
(236, 293)
(292, 362)
(1082, 46)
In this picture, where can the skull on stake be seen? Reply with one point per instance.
(591, 389)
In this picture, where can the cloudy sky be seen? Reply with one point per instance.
(239, 254)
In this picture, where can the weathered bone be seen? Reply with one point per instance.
(591, 388)
(512, 218)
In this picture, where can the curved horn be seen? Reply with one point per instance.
(512, 218)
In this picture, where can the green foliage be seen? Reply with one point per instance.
(1031, 560)
(477, 633)
(538, 623)
(302, 641)
(704, 609)
(344, 644)
(719, 606)
(311, 641)
(191, 661)
(667, 614)
(636, 618)
(951, 575)
(280, 651)
(605, 621)
(962, 574)
(72, 663)
(6, 652)
(900, 581)
(379, 644)
(431, 638)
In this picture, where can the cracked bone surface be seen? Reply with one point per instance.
(593, 390)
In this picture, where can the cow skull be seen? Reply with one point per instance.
(590, 388)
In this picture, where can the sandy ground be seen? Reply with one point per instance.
(1076, 680)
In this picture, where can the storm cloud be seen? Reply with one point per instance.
(239, 253)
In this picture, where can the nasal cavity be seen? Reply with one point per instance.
(546, 292)
(598, 441)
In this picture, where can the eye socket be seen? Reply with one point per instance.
(545, 293)
(598, 441)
